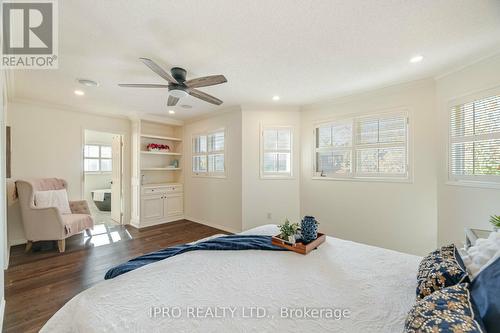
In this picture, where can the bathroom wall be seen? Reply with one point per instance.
(97, 181)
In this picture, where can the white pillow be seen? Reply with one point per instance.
(477, 257)
(53, 198)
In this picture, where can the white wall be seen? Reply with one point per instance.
(3, 215)
(399, 216)
(215, 201)
(461, 206)
(47, 142)
(279, 197)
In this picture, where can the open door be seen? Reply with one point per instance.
(116, 179)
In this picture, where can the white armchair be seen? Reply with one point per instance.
(48, 223)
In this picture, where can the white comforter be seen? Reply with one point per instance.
(368, 289)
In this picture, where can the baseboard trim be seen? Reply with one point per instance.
(19, 241)
(2, 311)
(7, 261)
(151, 224)
(213, 225)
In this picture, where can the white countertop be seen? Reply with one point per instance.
(159, 185)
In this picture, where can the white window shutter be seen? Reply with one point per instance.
(475, 140)
(209, 154)
(363, 147)
(276, 152)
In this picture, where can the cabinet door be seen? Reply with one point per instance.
(174, 205)
(153, 207)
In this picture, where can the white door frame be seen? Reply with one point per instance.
(82, 152)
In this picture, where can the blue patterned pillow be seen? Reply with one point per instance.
(485, 291)
(441, 268)
(447, 310)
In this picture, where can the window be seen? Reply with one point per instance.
(369, 147)
(97, 158)
(475, 140)
(276, 152)
(208, 154)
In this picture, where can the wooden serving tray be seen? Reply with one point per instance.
(299, 247)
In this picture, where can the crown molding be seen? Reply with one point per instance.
(342, 99)
(462, 67)
(64, 107)
(212, 114)
(158, 119)
(270, 107)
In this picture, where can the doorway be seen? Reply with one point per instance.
(102, 176)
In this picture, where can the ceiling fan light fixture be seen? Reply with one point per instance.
(177, 86)
(178, 93)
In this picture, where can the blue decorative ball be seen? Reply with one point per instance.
(309, 229)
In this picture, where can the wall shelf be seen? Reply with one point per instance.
(160, 169)
(160, 153)
(156, 167)
(159, 137)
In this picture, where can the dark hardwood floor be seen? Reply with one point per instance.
(39, 283)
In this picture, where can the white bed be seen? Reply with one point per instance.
(375, 285)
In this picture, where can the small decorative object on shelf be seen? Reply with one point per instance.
(309, 229)
(495, 221)
(158, 147)
(174, 164)
(288, 231)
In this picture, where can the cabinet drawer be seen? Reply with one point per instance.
(173, 189)
(154, 190)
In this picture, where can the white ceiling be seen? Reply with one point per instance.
(304, 51)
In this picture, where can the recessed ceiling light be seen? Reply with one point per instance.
(171, 111)
(276, 98)
(416, 58)
(79, 92)
(88, 83)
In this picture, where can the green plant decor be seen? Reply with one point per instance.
(495, 220)
(288, 229)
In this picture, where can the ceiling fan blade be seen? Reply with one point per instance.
(206, 81)
(203, 96)
(172, 100)
(158, 70)
(141, 85)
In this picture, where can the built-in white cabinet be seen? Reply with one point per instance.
(153, 207)
(161, 203)
(174, 204)
(157, 173)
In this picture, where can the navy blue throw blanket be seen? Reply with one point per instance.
(232, 242)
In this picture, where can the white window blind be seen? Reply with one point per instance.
(381, 146)
(97, 158)
(363, 147)
(276, 152)
(200, 154)
(334, 149)
(209, 154)
(475, 140)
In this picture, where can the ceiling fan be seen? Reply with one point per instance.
(177, 85)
